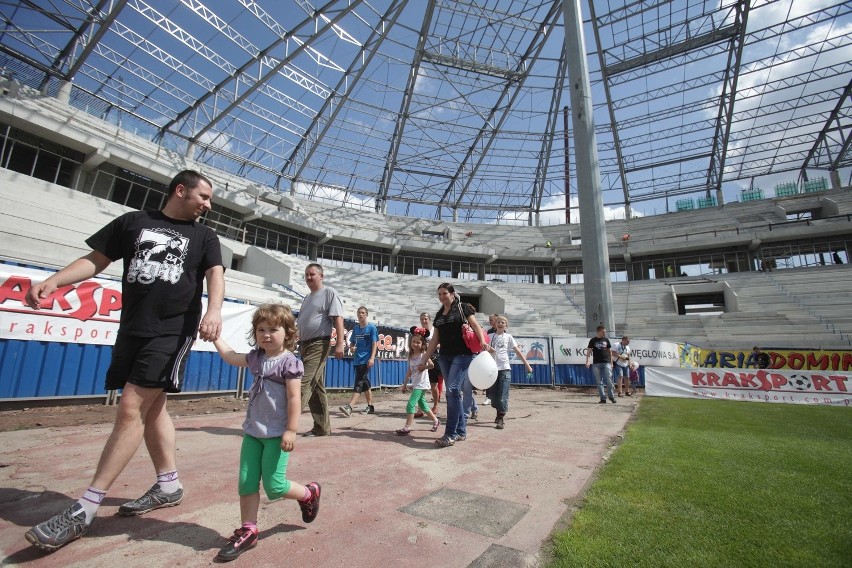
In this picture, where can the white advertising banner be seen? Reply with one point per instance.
(786, 386)
(87, 312)
(534, 349)
(572, 351)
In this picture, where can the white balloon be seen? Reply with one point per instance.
(482, 371)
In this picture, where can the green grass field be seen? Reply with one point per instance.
(720, 484)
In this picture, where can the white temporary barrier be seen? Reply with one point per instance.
(786, 386)
(572, 351)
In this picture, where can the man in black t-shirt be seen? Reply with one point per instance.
(167, 257)
(600, 350)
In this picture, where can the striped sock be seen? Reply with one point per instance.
(169, 482)
(91, 501)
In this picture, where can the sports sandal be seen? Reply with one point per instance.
(444, 442)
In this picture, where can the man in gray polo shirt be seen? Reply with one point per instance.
(321, 312)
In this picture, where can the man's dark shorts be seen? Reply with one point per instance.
(149, 362)
(362, 378)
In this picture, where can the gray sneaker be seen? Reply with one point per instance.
(345, 409)
(154, 498)
(65, 527)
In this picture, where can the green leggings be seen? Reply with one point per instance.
(263, 458)
(417, 398)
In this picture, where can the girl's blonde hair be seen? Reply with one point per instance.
(278, 315)
(503, 319)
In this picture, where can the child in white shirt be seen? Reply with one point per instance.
(499, 346)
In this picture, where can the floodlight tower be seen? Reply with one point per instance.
(596, 278)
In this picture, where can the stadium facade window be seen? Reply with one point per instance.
(353, 256)
(22, 159)
(33, 156)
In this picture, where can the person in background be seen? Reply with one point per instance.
(365, 339)
(600, 350)
(761, 359)
(621, 369)
(469, 406)
(160, 315)
(492, 323)
(272, 419)
(634, 376)
(321, 312)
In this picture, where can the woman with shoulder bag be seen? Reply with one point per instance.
(449, 327)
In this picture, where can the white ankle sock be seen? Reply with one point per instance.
(169, 482)
(91, 501)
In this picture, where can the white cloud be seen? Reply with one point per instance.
(216, 140)
(319, 192)
(553, 213)
(424, 85)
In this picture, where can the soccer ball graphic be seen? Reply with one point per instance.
(800, 382)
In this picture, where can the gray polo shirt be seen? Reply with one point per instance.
(317, 310)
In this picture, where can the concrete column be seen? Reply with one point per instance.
(64, 94)
(596, 277)
(834, 175)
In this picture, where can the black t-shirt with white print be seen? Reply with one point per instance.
(164, 264)
(449, 329)
(601, 348)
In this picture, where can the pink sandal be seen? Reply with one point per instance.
(403, 432)
(435, 425)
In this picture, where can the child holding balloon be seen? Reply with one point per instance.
(419, 380)
(499, 347)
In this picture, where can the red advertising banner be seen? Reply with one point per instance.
(87, 312)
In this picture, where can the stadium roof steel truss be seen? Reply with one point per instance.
(455, 106)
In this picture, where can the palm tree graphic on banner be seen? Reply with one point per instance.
(536, 352)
